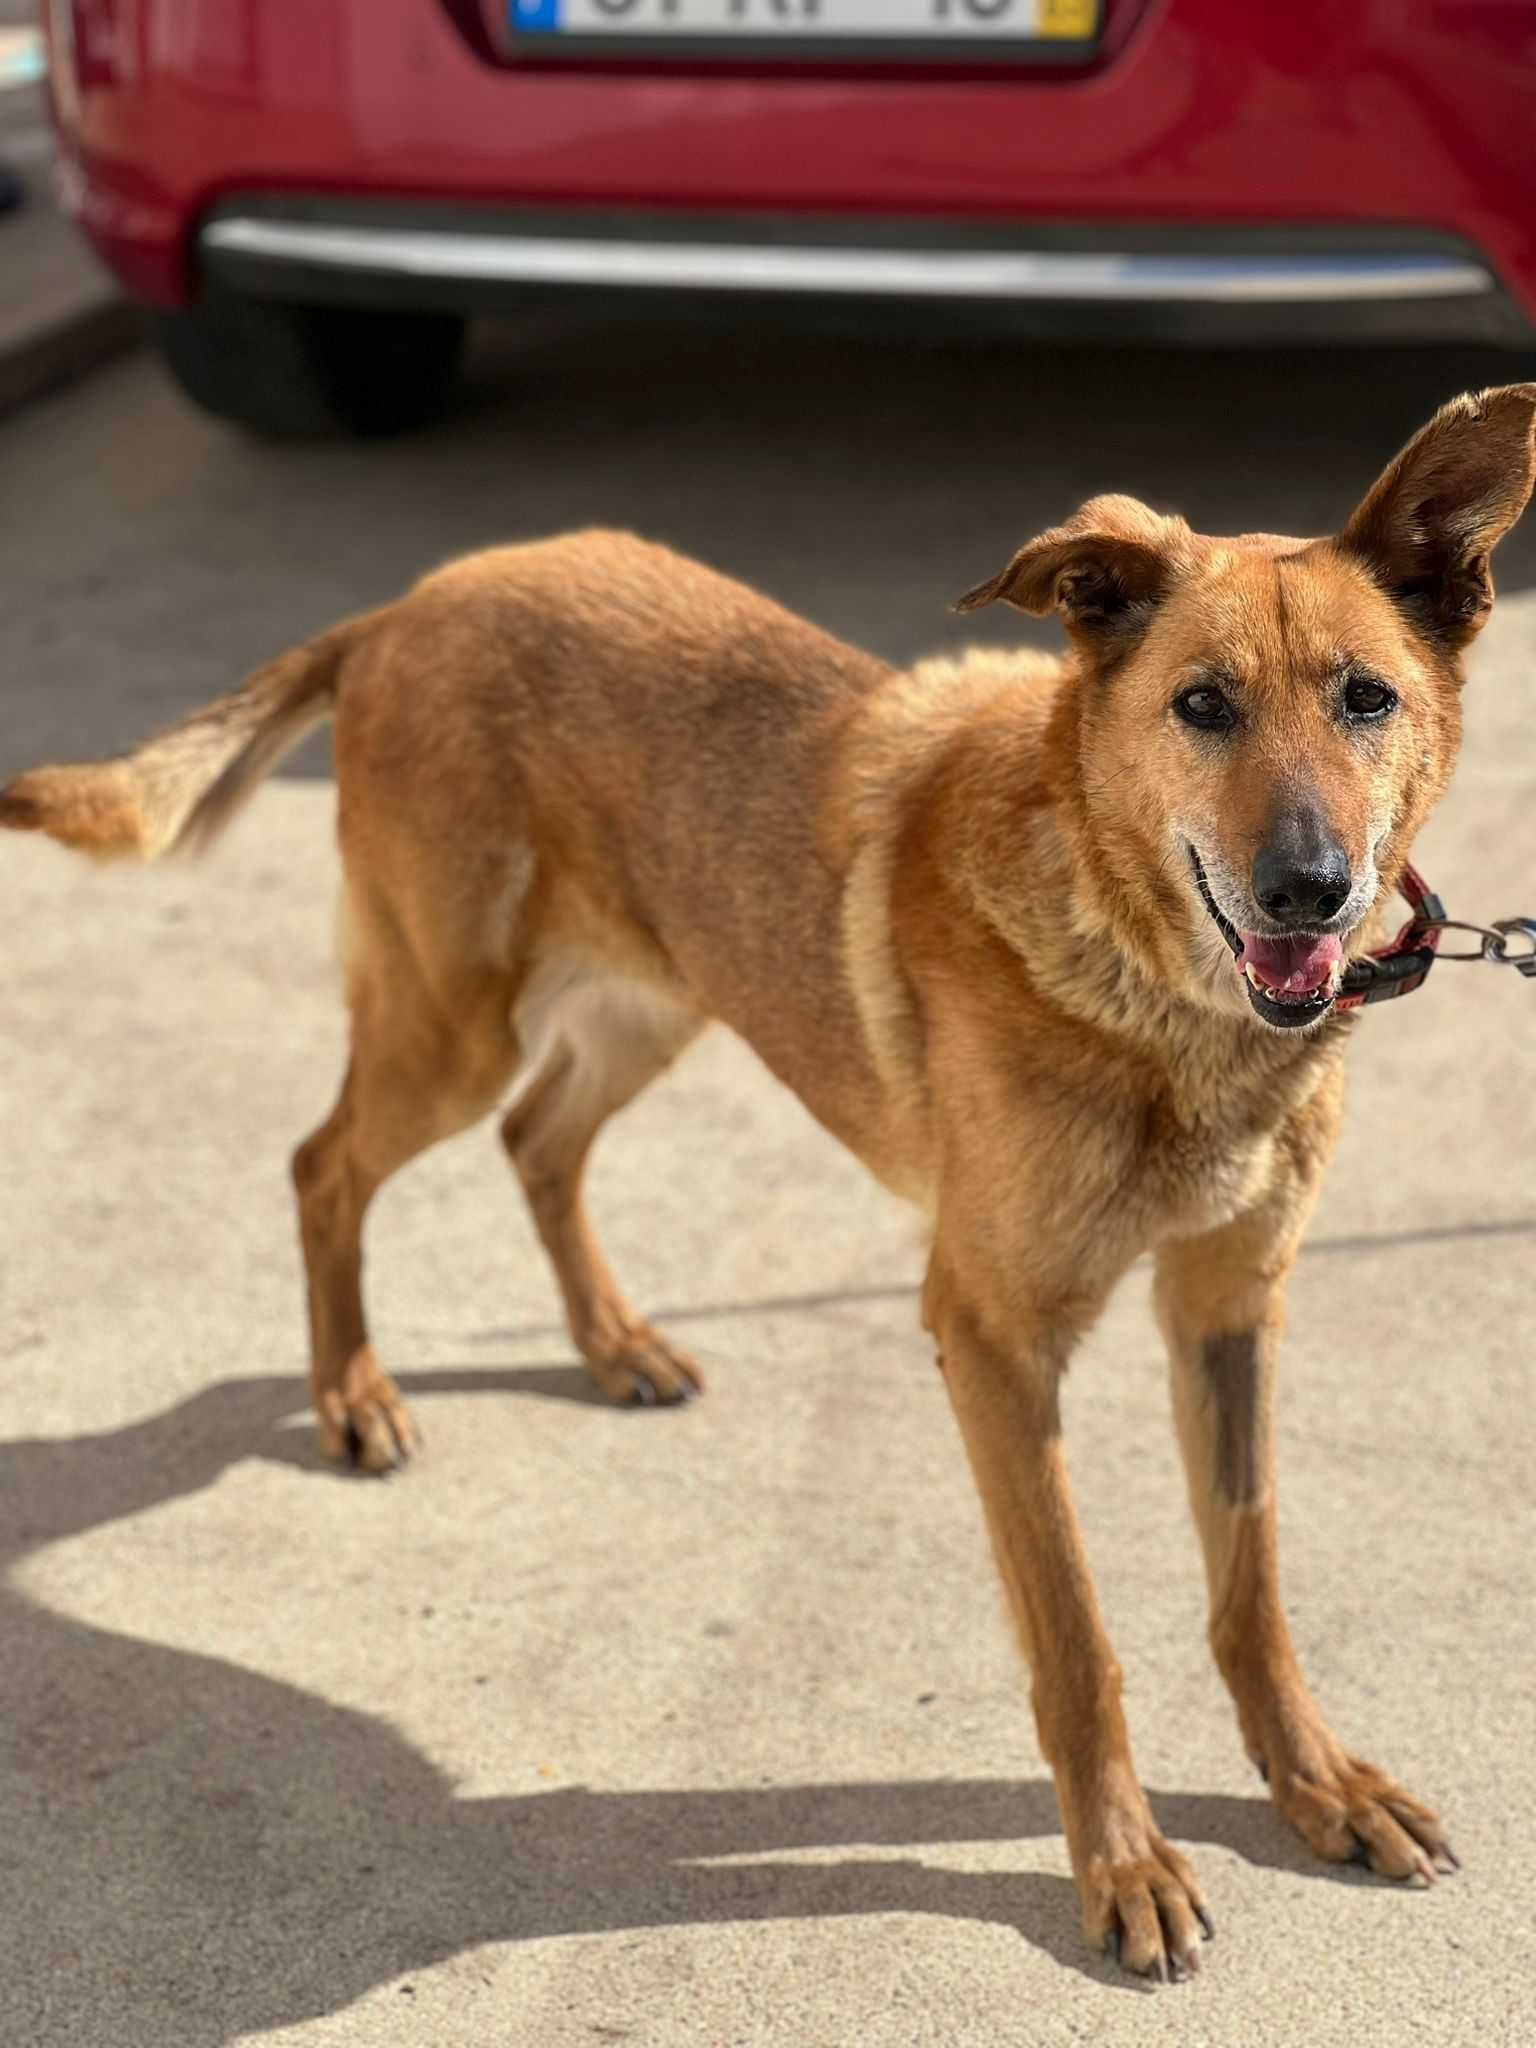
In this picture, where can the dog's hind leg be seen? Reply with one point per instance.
(595, 1040)
(429, 1057)
(1219, 1302)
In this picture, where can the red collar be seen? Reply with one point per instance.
(1403, 966)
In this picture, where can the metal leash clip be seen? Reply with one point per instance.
(1403, 966)
(1507, 942)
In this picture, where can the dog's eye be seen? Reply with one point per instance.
(1364, 697)
(1205, 707)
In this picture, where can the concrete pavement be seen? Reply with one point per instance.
(675, 1729)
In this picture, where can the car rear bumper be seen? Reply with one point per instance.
(1367, 124)
(1214, 284)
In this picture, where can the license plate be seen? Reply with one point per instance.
(1026, 29)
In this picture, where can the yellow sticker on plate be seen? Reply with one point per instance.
(1075, 19)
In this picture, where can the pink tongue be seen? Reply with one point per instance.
(1291, 967)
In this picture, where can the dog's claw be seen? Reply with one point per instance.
(644, 1371)
(1207, 1923)
(1446, 1857)
(363, 1423)
(374, 1463)
(1350, 1812)
(1142, 1908)
(379, 1462)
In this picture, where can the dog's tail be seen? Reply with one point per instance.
(178, 791)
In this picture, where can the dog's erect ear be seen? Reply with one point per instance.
(1427, 525)
(1103, 571)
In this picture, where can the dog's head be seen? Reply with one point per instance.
(1262, 724)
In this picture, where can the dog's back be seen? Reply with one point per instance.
(644, 746)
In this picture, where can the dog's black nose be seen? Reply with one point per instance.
(1301, 876)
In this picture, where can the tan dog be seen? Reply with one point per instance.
(979, 917)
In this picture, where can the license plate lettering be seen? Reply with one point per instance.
(945, 11)
(915, 21)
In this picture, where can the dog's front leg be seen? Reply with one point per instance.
(1140, 1898)
(1219, 1300)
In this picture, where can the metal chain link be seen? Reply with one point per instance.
(1507, 942)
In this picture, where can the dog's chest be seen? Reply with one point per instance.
(1217, 1132)
(1199, 1174)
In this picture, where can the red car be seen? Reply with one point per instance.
(313, 194)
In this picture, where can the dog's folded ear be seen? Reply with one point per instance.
(1103, 571)
(1426, 527)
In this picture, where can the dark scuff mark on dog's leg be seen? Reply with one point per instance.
(1231, 1363)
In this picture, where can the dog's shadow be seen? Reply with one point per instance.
(193, 1837)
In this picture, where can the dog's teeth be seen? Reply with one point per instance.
(1297, 999)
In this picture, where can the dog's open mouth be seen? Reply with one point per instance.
(1291, 980)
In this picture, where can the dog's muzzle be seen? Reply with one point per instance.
(1292, 978)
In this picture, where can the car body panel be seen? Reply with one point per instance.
(1195, 112)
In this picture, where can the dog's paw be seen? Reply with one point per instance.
(1349, 1812)
(642, 1370)
(364, 1423)
(1143, 1906)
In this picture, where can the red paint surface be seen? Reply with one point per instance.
(1196, 111)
